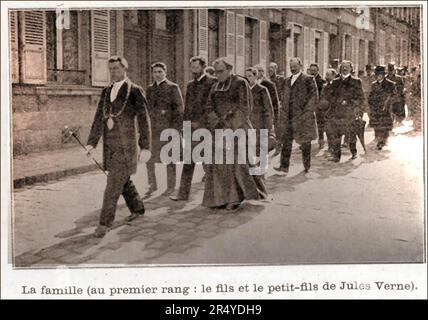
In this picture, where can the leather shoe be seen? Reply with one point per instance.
(282, 169)
(334, 159)
(101, 231)
(354, 156)
(135, 215)
(177, 198)
(233, 206)
(169, 190)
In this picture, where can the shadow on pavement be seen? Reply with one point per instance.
(167, 227)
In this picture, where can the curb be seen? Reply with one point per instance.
(55, 175)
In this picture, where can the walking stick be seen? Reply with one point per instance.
(72, 133)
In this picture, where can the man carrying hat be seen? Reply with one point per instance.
(380, 103)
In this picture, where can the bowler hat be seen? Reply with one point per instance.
(379, 69)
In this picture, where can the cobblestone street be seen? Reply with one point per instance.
(357, 211)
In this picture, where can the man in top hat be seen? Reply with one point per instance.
(120, 104)
(380, 100)
(398, 108)
(165, 105)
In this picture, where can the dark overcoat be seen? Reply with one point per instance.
(165, 105)
(273, 92)
(120, 143)
(381, 99)
(297, 109)
(347, 102)
(399, 99)
(261, 115)
(197, 93)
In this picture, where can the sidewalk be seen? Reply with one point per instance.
(52, 165)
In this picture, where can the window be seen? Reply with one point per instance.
(297, 42)
(348, 47)
(250, 42)
(213, 35)
(318, 48)
(62, 50)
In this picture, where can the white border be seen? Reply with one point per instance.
(13, 280)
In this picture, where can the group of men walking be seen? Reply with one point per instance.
(298, 108)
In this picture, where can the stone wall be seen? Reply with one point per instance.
(39, 116)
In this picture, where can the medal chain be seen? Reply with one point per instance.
(110, 114)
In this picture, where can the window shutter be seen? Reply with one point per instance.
(263, 43)
(13, 46)
(312, 46)
(392, 47)
(240, 44)
(203, 32)
(381, 47)
(343, 47)
(230, 36)
(366, 52)
(100, 39)
(113, 33)
(289, 49)
(355, 53)
(325, 55)
(306, 50)
(33, 35)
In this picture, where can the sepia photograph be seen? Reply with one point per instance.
(206, 134)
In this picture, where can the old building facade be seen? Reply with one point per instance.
(58, 59)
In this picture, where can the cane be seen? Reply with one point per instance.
(72, 133)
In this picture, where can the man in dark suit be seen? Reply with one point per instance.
(165, 105)
(325, 102)
(114, 120)
(297, 118)
(346, 107)
(399, 100)
(381, 99)
(314, 71)
(273, 92)
(197, 93)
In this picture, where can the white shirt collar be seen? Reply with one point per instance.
(201, 77)
(252, 86)
(344, 77)
(119, 84)
(158, 83)
(296, 75)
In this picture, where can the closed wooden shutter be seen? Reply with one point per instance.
(312, 46)
(263, 43)
(33, 35)
(100, 39)
(307, 48)
(113, 33)
(366, 52)
(392, 48)
(289, 49)
(381, 47)
(325, 56)
(343, 47)
(13, 46)
(230, 37)
(203, 33)
(355, 54)
(240, 44)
